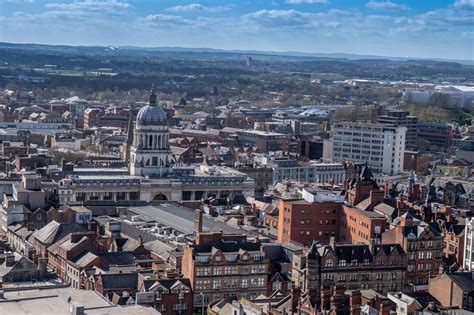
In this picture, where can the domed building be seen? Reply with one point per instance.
(150, 153)
(154, 173)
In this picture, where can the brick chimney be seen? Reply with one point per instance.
(9, 260)
(355, 300)
(386, 188)
(76, 237)
(416, 192)
(197, 221)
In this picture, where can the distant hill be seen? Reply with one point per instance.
(200, 52)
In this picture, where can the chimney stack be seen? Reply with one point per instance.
(42, 268)
(332, 242)
(197, 221)
(9, 260)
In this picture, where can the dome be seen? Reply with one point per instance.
(151, 114)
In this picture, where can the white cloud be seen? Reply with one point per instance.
(464, 4)
(90, 5)
(307, 1)
(155, 19)
(196, 7)
(17, 1)
(386, 5)
(279, 17)
(273, 19)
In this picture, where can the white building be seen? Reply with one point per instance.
(150, 154)
(469, 245)
(381, 146)
(285, 168)
(154, 175)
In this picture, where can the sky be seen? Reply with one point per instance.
(398, 28)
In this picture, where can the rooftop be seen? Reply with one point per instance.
(181, 219)
(55, 301)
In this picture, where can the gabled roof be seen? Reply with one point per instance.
(21, 264)
(116, 259)
(227, 247)
(85, 259)
(170, 283)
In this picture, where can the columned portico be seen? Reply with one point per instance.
(150, 153)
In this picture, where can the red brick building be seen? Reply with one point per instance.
(423, 244)
(358, 226)
(302, 221)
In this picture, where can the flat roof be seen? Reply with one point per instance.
(262, 133)
(55, 301)
(182, 219)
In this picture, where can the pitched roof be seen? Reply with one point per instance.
(119, 281)
(21, 264)
(54, 231)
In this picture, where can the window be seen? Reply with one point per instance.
(329, 263)
(276, 285)
(244, 283)
(366, 262)
(354, 262)
(342, 263)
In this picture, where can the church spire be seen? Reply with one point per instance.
(152, 100)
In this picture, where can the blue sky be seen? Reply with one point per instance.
(417, 28)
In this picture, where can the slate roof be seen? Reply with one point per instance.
(359, 252)
(21, 264)
(117, 258)
(464, 280)
(54, 231)
(159, 248)
(227, 247)
(120, 281)
(385, 209)
(169, 283)
(85, 259)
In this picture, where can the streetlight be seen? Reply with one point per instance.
(202, 303)
(414, 287)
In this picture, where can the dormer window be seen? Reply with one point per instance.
(329, 263)
(342, 263)
(354, 262)
(366, 262)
